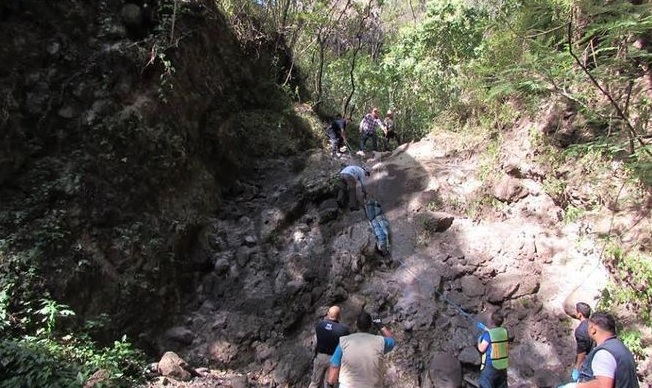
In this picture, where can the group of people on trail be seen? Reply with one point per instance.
(369, 126)
(369, 129)
(354, 360)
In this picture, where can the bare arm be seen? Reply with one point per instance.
(333, 374)
(482, 346)
(386, 332)
(579, 359)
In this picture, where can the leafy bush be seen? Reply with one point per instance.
(632, 283)
(43, 358)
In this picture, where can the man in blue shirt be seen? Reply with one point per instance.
(493, 345)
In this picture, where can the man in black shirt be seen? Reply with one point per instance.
(582, 338)
(336, 134)
(328, 332)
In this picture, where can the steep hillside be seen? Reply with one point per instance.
(283, 252)
(120, 133)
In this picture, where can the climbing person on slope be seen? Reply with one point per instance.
(370, 122)
(352, 181)
(493, 346)
(356, 362)
(336, 134)
(328, 332)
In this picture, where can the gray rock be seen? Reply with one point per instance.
(180, 334)
(171, 365)
(445, 371)
(510, 190)
(472, 286)
(328, 211)
(546, 378)
(250, 241)
(222, 266)
(469, 355)
(132, 15)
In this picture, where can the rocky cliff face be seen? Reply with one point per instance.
(283, 252)
(116, 143)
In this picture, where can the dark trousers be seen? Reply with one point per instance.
(366, 136)
(354, 194)
(390, 135)
(336, 142)
(492, 378)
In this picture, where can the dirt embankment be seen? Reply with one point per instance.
(117, 142)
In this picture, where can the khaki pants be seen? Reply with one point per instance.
(356, 198)
(319, 368)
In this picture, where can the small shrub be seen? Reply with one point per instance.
(633, 339)
(572, 214)
(631, 286)
(43, 357)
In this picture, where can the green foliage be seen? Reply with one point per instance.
(426, 64)
(49, 312)
(572, 213)
(47, 359)
(66, 362)
(640, 165)
(633, 339)
(632, 283)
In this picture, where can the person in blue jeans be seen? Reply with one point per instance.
(370, 122)
(493, 345)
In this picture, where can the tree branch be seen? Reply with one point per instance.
(595, 82)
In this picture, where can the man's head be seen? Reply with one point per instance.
(583, 310)
(364, 322)
(390, 113)
(601, 326)
(333, 313)
(497, 318)
(374, 112)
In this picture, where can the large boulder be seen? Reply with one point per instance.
(173, 366)
(444, 371)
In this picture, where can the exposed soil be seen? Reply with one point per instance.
(289, 253)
